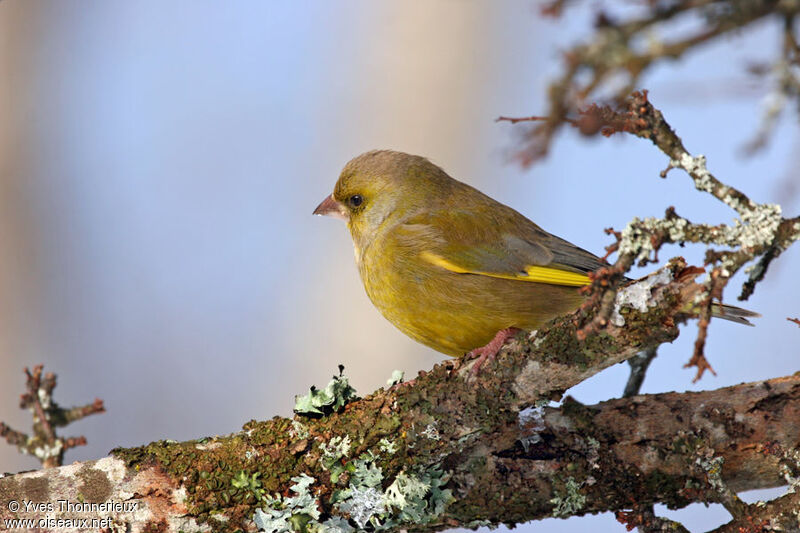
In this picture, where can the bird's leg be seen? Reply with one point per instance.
(488, 352)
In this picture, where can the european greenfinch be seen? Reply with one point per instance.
(446, 264)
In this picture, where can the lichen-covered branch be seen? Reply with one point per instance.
(455, 449)
(44, 443)
(617, 455)
(759, 235)
(621, 49)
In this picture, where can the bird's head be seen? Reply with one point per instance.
(383, 187)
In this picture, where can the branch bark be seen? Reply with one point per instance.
(614, 50)
(452, 449)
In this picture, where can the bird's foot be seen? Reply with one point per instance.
(488, 352)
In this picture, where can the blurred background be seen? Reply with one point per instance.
(159, 163)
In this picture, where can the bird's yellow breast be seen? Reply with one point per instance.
(454, 312)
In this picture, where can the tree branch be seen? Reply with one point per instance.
(618, 53)
(453, 450)
(44, 444)
(574, 459)
(759, 235)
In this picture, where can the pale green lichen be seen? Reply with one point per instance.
(570, 503)
(363, 498)
(635, 237)
(791, 456)
(387, 446)
(792, 481)
(403, 488)
(475, 524)
(408, 495)
(299, 430)
(396, 379)
(332, 454)
(431, 431)
(333, 397)
(336, 524)
(335, 449)
(365, 505)
(696, 168)
(412, 498)
(366, 472)
(283, 515)
(756, 227)
(712, 466)
(303, 502)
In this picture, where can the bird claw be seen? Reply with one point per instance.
(483, 356)
(489, 352)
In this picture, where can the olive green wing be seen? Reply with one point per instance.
(499, 243)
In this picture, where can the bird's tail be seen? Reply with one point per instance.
(733, 313)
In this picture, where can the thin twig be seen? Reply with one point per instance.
(32, 399)
(514, 120)
(44, 443)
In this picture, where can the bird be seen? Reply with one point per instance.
(451, 267)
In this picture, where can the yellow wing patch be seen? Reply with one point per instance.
(539, 274)
(555, 276)
(442, 262)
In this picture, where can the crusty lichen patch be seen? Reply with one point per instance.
(94, 485)
(28, 488)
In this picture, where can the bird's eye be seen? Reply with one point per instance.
(356, 200)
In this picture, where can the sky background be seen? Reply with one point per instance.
(159, 163)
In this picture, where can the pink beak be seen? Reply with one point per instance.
(331, 208)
